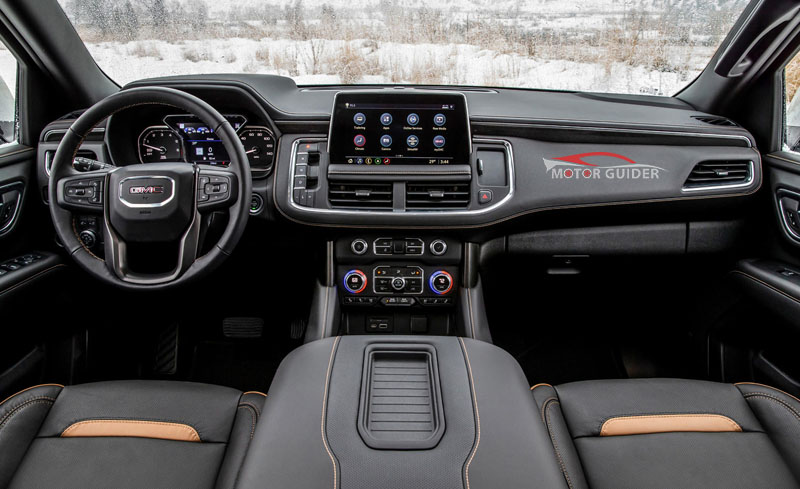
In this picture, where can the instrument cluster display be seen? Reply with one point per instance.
(184, 137)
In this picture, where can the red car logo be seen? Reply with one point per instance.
(151, 189)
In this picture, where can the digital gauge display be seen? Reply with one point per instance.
(200, 143)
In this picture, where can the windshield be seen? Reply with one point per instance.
(621, 46)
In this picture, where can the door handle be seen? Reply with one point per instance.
(10, 203)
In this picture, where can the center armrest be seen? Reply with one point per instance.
(366, 411)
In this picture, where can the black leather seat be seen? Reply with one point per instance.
(126, 434)
(672, 433)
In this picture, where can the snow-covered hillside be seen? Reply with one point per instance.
(631, 46)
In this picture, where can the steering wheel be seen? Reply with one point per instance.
(147, 204)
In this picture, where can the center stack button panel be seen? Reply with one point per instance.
(398, 284)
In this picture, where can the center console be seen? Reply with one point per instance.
(402, 284)
(400, 158)
(406, 162)
(395, 411)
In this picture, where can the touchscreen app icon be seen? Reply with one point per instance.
(412, 119)
(439, 119)
(438, 141)
(359, 119)
(386, 118)
(386, 140)
(412, 141)
(359, 140)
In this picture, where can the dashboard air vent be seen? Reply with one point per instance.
(720, 173)
(55, 135)
(715, 121)
(437, 195)
(360, 195)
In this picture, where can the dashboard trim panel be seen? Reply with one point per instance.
(343, 212)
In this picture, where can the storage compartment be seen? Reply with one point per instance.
(401, 401)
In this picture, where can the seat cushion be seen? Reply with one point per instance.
(672, 433)
(126, 434)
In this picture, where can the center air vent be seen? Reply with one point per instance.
(715, 121)
(437, 195)
(724, 173)
(360, 195)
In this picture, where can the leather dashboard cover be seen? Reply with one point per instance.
(308, 435)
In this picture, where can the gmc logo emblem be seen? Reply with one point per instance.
(151, 189)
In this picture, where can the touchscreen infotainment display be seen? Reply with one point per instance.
(369, 128)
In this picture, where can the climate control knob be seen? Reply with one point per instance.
(355, 281)
(441, 282)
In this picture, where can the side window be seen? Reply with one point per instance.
(791, 88)
(8, 97)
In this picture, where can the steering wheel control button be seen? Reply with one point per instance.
(355, 281)
(86, 192)
(441, 282)
(213, 189)
(438, 247)
(359, 246)
(484, 196)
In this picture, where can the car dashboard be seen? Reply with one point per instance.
(508, 153)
